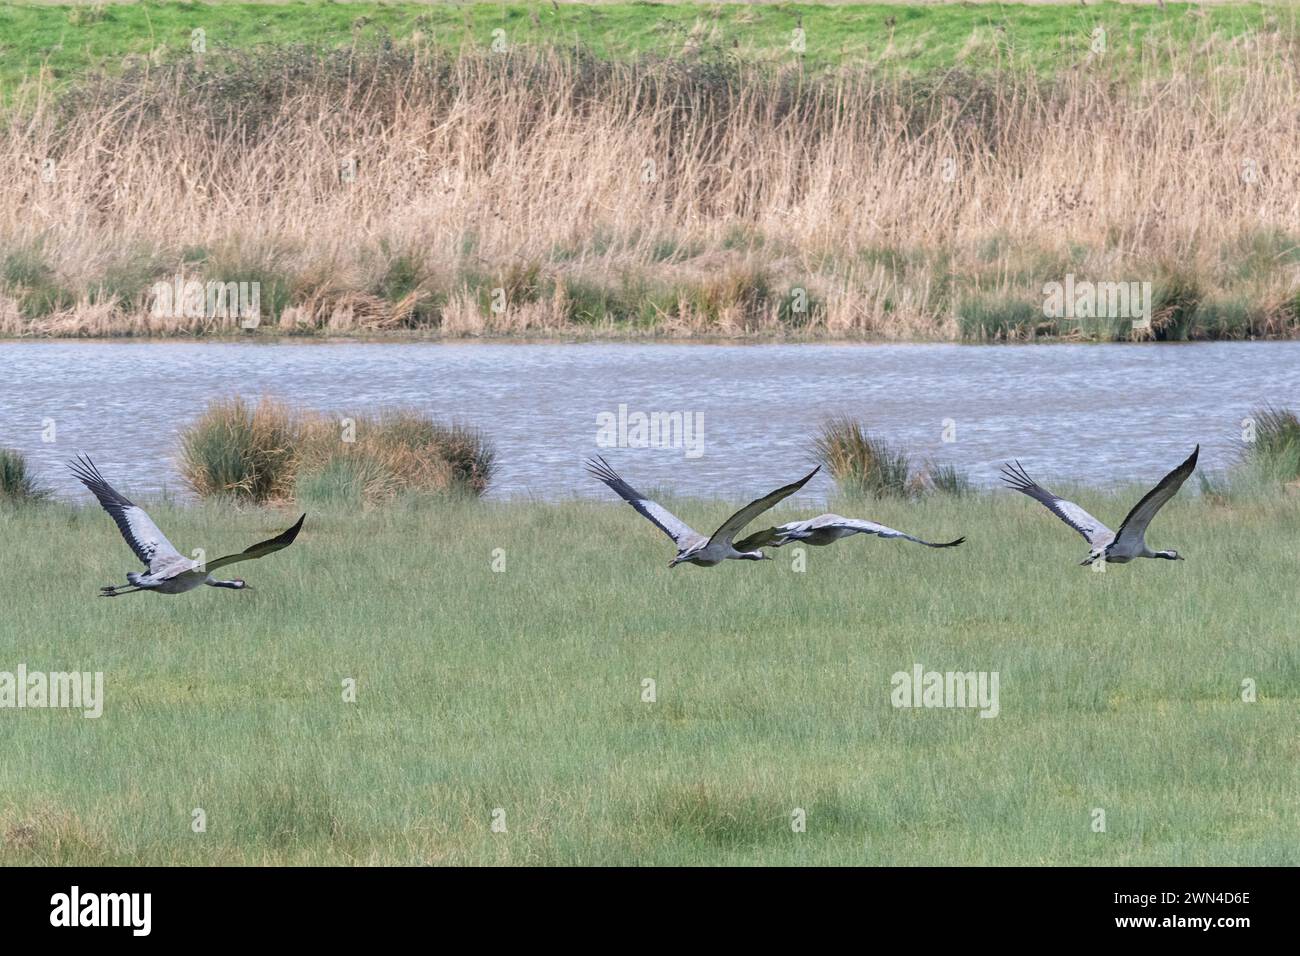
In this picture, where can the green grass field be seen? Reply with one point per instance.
(521, 690)
(72, 40)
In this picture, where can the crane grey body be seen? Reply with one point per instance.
(827, 529)
(167, 571)
(1114, 547)
(693, 547)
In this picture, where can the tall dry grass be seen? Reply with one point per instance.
(540, 191)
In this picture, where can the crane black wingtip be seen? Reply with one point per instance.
(82, 466)
(596, 464)
(281, 540)
(808, 477)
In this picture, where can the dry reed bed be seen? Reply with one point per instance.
(541, 191)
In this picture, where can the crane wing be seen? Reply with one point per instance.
(262, 548)
(1134, 528)
(1093, 531)
(148, 543)
(798, 530)
(728, 529)
(862, 526)
(768, 537)
(683, 535)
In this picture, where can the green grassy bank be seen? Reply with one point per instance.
(70, 40)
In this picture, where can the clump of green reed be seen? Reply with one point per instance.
(27, 275)
(1002, 318)
(861, 463)
(1237, 317)
(264, 264)
(1178, 294)
(407, 285)
(128, 276)
(17, 483)
(1275, 451)
(240, 450)
(741, 295)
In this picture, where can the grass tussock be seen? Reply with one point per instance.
(947, 479)
(374, 458)
(241, 450)
(17, 483)
(271, 451)
(547, 192)
(864, 465)
(1274, 451)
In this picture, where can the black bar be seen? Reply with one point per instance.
(929, 906)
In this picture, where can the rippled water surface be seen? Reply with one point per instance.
(1095, 414)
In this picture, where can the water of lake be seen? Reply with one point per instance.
(1095, 414)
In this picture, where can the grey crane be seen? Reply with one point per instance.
(827, 529)
(693, 547)
(167, 571)
(1115, 547)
